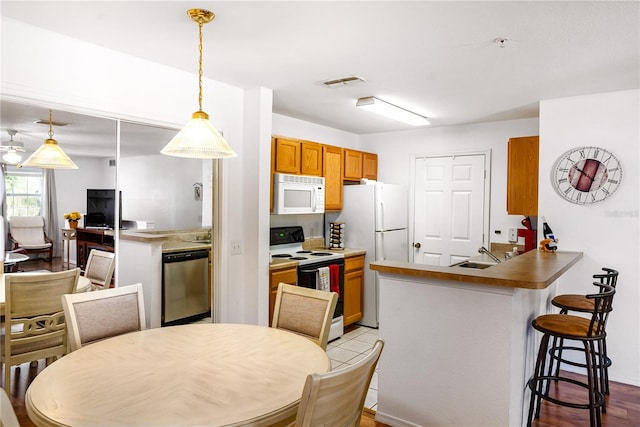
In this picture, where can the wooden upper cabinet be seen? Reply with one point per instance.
(352, 164)
(297, 157)
(311, 159)
(370, 166)
(287, 156)
(522, 175)
(332, 172)
(358, 165)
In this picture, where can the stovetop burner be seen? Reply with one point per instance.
(286, 243)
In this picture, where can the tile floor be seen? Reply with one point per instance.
(350, 348)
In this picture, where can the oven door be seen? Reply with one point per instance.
(308, 278)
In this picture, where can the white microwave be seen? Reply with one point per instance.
(297, 194)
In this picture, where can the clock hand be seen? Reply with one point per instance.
(584, 173)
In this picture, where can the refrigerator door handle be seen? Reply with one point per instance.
(381, 219)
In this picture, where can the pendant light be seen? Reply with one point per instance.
(50, 155)
(199, 139)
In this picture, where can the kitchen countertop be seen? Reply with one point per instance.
(171, 240)
(282, 264)
(531, 270)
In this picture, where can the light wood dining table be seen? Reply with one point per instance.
(189, 375)
(83, 285)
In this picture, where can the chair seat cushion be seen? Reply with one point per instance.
(42, 246)
(566, 325)
(573, 302)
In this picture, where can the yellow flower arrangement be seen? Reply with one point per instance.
(73, 216)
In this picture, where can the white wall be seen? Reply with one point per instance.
(395, 149)
(85, 78)
(607, 233)
(160, 188)
(71, 188)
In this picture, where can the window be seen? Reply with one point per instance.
(24, 192)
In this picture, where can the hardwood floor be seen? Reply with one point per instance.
(623, 404)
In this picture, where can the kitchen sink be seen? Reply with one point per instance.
(471, 264)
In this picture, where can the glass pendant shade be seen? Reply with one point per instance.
(12, 157)
(199, 140)
(50, 156)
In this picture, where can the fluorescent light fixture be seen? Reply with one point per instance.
(386, 109)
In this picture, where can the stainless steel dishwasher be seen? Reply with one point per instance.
(185, 286)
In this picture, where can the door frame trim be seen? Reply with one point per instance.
(486, 212)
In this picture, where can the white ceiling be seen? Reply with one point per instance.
(436, 58)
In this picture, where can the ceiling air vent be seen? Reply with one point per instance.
(343, 81)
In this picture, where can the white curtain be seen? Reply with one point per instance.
(50, 210)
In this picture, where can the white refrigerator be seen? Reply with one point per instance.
(375, 217)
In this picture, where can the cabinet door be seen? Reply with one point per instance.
(352, 165)
(370, 166)
(311, 159)
(287, 157)
(332, 172)
(353, 289)
(275, 277)
(522, 176)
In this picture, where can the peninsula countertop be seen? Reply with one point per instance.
(531, 270)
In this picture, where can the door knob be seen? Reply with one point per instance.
(417, 245)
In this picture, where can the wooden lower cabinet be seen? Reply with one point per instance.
(287, 275)
(353, 288)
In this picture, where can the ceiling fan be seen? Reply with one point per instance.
(12, 149)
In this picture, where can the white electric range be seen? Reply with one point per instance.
(286, 243)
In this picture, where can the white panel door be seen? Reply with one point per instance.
(448, 208)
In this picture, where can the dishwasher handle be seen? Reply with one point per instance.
(184, 256)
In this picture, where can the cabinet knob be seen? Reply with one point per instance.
(417, 245)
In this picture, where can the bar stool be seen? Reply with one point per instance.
(582, 304)
(590, 332)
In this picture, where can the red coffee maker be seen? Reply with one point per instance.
(528, 233)
(529, 238)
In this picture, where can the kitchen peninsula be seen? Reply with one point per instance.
(459, 347)
(140, 260)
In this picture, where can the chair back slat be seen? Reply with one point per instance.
(94, 316)
(336, 398)
(304, 311)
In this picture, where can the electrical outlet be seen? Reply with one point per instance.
(236, 248)
(513, 235)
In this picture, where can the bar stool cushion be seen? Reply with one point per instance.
(564, 325)
(573, 302)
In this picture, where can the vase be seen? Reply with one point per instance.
(73, 224)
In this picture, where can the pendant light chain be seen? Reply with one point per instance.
(200, 66)
(50, 125)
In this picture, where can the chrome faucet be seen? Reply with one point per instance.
(484, 250)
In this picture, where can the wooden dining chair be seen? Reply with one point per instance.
(336, 398)
(304, 311)
(94, 316)
(34, 326)
(8, 416)
(99, 269)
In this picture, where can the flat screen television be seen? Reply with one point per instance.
(101, 208)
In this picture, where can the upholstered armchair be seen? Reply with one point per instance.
(27, 232)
